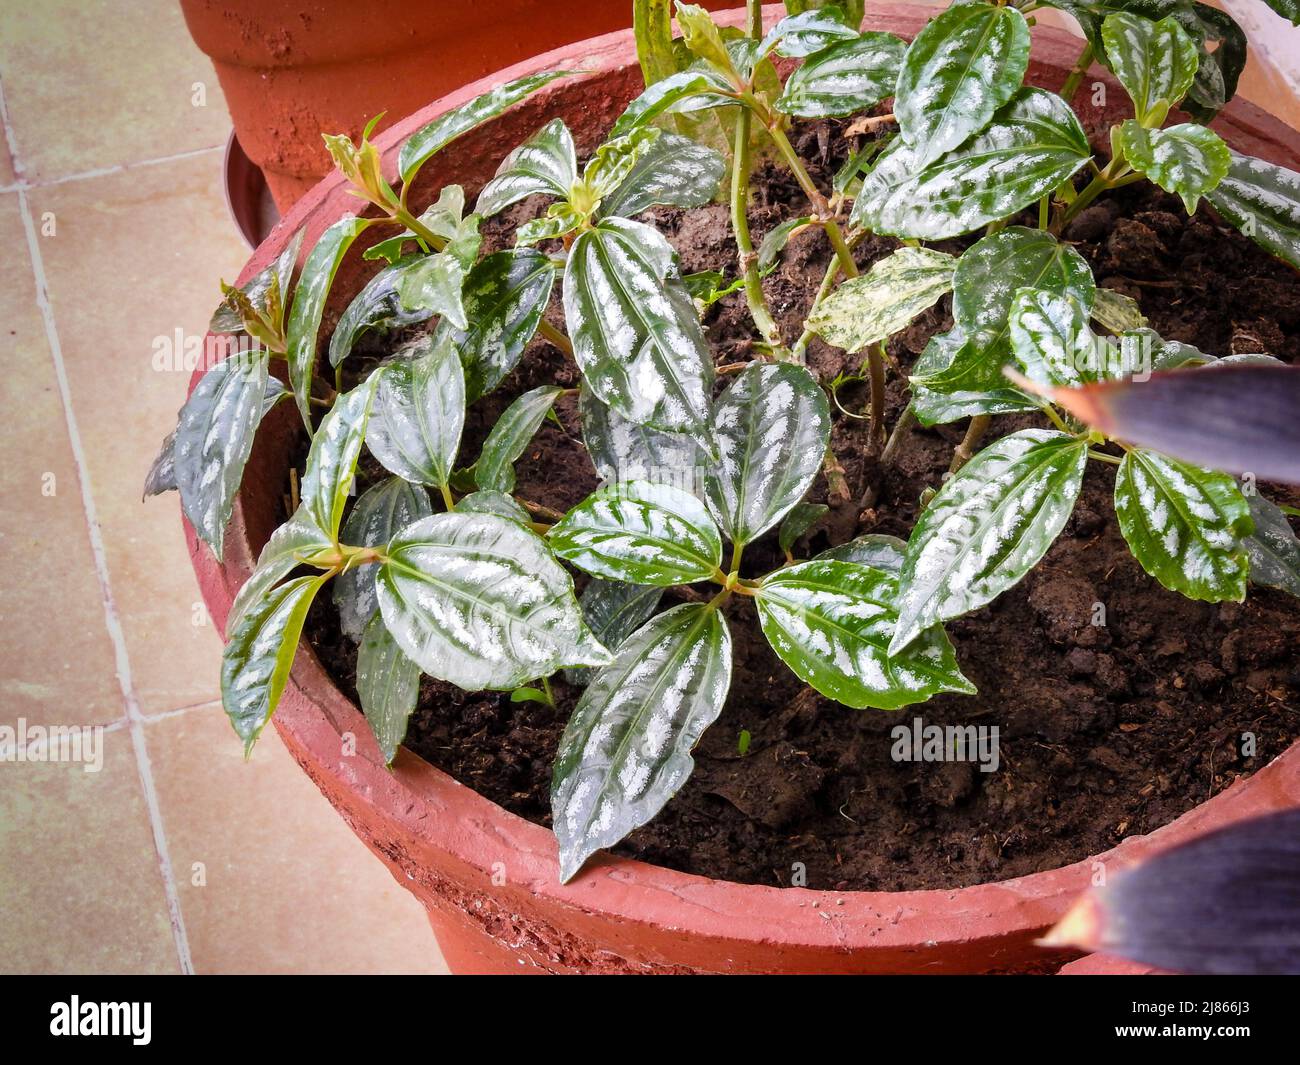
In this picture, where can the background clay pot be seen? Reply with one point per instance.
(489, 878)
(294, 69)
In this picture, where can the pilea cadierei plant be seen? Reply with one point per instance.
(441, 570)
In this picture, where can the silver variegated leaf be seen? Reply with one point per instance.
(419, 413)
(624, 451)
(259, 653)
(1145, 350)
(1263, 201)
(634, 329)
(491, 502)
(808, 32)
(1155, 61)
(1184, 525)
(877, 304)
(873, 549)
(298, 538)
(214, 437)
(433, 284)
(771, 426)
(1273, 548)
(309, 304)
(478, 601)
(380, 513)
(332, 460)
(685, 90)
(162, 471)
(990, 524)
(968, 380)
(642, 533)
(613, 161)
(627, 748)
(431, 138)
(1052, 341)
(388, 684)
(377, 307)
(511, 434)
(546, 163)
(1187, 160)
(1117, 312)
(958, 71)
(614, 610)
(845, 78)
(831, 623)
(673, 171)
(1033, 144)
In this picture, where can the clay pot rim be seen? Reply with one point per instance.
(470, 833)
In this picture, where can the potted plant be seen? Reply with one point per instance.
(444, 577)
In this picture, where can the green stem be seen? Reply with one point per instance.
(1075, 79)
(902, 428)
(546, 690)
(448, 500)
(737, 550)
(1101, 456)
(557, 338)
(748, 260)
(974, 433)
(1293, 511)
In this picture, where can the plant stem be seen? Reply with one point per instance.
(1101, 456)
(1116, 172)
(556, 337)
(737, 550)
(448, 500)
(837, 487)
(876, 372)
(974, 433)
(1293, 511)
(902, 428)
(540, 510)
(748, 260)
(1075, 79)
(546, 690)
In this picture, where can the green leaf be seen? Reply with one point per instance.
(800, 519)
(968, 381)
(259, 653)
(635, 333)
(309, 304)
(1288, 9)
(559, 220)
(296, 539)
(1187, 159)
(627, 748)
(431, 138)
(652, 25)
(772, 426)
(1117, 312)
(432, 285)
(1184, 525)
(614, 610)
(610, 165)
(640, 532)
(389, 685)
(1273, 548)
(685, 90)
(477, 600)
(1145, 349)
(957, 72)
(1263, 201)
(1052, 341)
(444, 218)
(777, 237)
(624, 451)
(332, 460)
(831, 623)
(376, 307)
(849, 12)
(702, 36)
(214, 437)
(491, 502)
(504, 298)
(1155, 61)
(1033, 144)
(989, 525)
(380, 513)
(546, 163)
(511, 434)
(811, 31)
(162, 471)
(673, 171)
(887, 298)
(419, 413)
(874, 549)
(227, 319)
(847, 77)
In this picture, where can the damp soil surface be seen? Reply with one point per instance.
(1105, 730)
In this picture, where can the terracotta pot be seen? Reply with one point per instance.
(292, 70)
(489, 878)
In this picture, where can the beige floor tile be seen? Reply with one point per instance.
(136, 257)
(7, 176)
(80, 888)
(56, 661)
(288, 888)
(91, 86)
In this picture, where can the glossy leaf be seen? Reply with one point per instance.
(511, 434)
(624, 451)
(831, 623)
(610, 165)
(444, 218)
(227, 319)
(296, 539)
(488, 501)
(546, 164)
(504, 298)
(635, 334)
(1288, 9)
(1033, 144)
(1273, 548)
(811, 31)
(776, 238)
(802, 517)
(388, 684)
(431, 138)
(614, 610)
(1263, 201)
(874, 549)
(1155, 61)
(376, 307)
(478, 601)
(1117, 312)
(845, 78)
(1052, 341)
(559, 221)
(1187, 159)
(309, 304)
(701, 36)
(419, 413)
(879, 303)
(673, 171)
(214, 437)
(681, 91)
(162, 471)
(965, 64)
(627, 748)
(990, 524)
(967, 378)
(380, 513)
(1184, 525)
(259, 653)
(772, 426)
(850, 11)
(642, 533)
(332, 460)
(432, 285)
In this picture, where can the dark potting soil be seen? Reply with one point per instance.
(1105, 730)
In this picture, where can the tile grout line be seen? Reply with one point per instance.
(134, 718)
(22, 184)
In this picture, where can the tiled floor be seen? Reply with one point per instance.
(176, 855)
